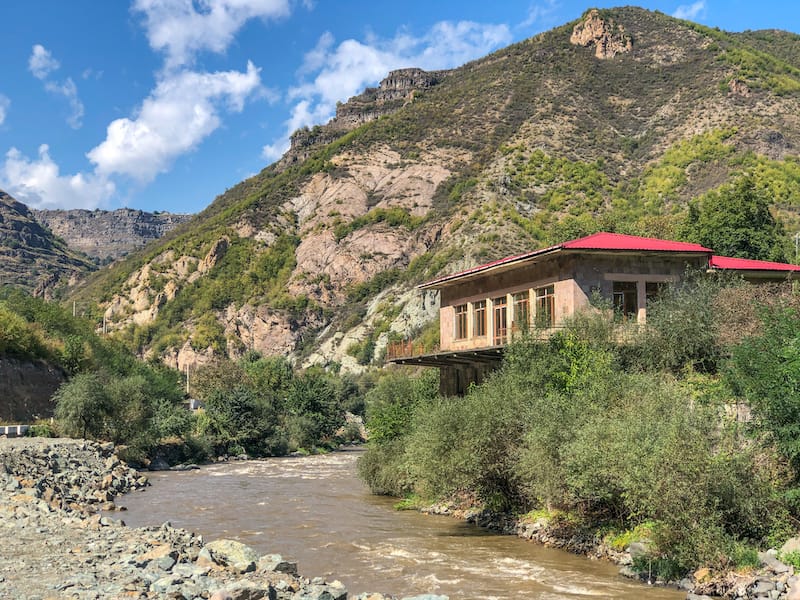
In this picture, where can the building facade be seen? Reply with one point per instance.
(482, 308)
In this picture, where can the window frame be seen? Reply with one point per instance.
(628, 290)
(522, 316)
(479, 318)
(545, 316)
(460, 330)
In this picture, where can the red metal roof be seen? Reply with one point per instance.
(619, 241)
(598, 241)
(747, 264)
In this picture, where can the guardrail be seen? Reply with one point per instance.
(407, 349)
(13, 430)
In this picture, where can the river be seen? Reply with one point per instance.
(315, 511)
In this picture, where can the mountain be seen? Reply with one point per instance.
(31, 257)
(108, 235)
(614, 121)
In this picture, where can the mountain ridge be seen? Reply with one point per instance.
(613, 121)
(31, 257)
(107, 235)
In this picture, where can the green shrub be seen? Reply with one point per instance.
(391, 403)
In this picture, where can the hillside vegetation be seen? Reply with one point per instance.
(543, 141)
(683, 439)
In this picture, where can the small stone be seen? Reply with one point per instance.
(762, 586)
(702, 575)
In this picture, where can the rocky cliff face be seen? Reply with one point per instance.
(26, 389)
(106, 234)
(607, 37)
(31, 257)
(393, 92)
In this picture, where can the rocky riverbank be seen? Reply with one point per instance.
(56, 543)
(774, 580)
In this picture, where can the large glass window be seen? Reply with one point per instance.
(626, 303)
(522, 313)
(500, 320)
(545, 307)
(461, 321)
(479, 318)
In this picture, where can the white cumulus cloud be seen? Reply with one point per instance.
(181, 28)
(39, 183)
(182, 110)
(5, 104)
(690, 11)
(335, 73)
(42, 64)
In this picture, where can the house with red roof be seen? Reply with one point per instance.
(482, 307)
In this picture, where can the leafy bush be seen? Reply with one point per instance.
(562, 426)
(238, 421)
(18, 337)
(391, 403)
(683, 327)
(765, 370)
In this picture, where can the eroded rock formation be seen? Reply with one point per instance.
(106, 234)
(607, 37)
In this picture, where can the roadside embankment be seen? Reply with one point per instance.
(56, 543)
(773, 580)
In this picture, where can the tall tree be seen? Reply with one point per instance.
(736, 221)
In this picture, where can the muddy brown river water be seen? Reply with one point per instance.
(315, 510)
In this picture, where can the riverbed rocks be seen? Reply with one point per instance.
(56, 543)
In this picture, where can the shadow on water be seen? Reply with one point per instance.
(315, 511)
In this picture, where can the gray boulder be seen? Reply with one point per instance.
(228, 554)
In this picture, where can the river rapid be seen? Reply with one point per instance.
(315, 511)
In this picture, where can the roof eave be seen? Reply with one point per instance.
(457, 278)
(479, 271)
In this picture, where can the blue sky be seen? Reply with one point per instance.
(163, 104)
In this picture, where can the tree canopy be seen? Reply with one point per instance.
(735, 220)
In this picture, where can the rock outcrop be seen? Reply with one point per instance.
(106, 235)
(607, 37)
(26, 389)
(396, 89)
(31, 257)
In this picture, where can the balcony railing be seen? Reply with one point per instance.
(624, 333)
(407, 349)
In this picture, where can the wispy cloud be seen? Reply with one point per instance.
(332, 73)
(42, 65)
(690, 12)
(39, 183)
(68, 90)
(5, 104)
(539, 13)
